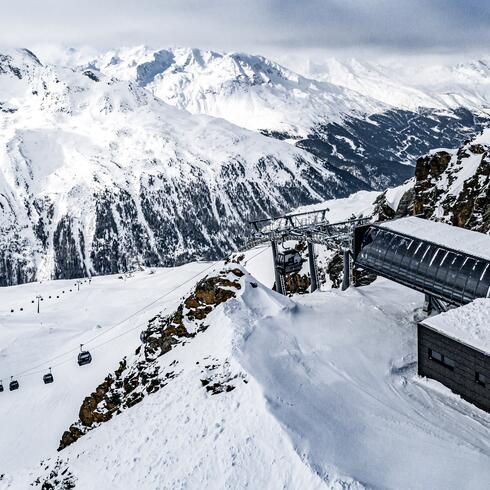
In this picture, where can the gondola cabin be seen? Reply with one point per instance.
(1, 387)
(289, 261)
(48, 378)
(84, 358)
(14, 385)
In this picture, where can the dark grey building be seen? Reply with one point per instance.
(454, 349)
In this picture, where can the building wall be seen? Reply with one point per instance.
(467, 361)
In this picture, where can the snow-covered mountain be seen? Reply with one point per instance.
(249, 91)
(235, 387)
(410, 85)
(97, 175)
(358, 116)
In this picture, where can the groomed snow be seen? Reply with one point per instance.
(466, 241)
(469, 324)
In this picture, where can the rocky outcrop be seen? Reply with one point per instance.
(452, 186)
(144, 375)
(56, 476)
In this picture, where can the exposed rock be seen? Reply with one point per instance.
(57, 476)
(335, 269)
(297, 283)
(131, 382)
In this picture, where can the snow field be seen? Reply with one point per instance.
(324, 395)
(33, 418)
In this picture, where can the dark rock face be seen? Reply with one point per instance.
(132, 381)
(453, 187)
(379, 149)
(56, 476)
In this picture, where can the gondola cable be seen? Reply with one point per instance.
(27, 372)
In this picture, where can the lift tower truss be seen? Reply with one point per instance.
(313, 227)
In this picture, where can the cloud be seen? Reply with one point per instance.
(379, 26)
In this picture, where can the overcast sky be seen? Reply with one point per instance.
(270, 27)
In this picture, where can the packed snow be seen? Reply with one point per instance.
(325, 396)
(461, 239)
(469, 324)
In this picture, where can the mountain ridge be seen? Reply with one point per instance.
(98, 175)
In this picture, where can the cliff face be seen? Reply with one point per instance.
(452, 186)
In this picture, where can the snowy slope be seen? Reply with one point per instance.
(97, 176)
(324, 395)
(250, 91)
(404, 84)
(95, 316)
(363, 119)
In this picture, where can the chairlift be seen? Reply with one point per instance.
(289, 261)
(84, 357)
(48, 377)
(1, 386)
(14, 384)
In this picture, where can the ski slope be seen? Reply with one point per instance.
(33, 418)
(325, 395)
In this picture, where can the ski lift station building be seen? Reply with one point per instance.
(451, 266)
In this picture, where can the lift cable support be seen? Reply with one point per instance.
(312, 227)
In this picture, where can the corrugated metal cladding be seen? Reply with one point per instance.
(466, 371)
(450, 275)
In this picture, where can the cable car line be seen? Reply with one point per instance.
(27, 372)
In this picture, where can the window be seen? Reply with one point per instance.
(435, 356)
(480, 378)
(441, 359)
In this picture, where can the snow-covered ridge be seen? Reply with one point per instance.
(250, 91)
(98, 175)
(373, 128)
(407, 85)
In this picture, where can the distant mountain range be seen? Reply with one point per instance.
(363, 118)
(97, 175)
(143, 157)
